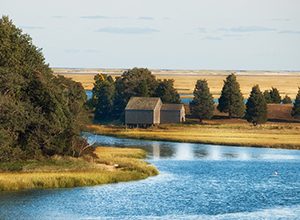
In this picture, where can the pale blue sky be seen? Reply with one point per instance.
(172, 34)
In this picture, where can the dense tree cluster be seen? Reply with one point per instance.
(110, 97)
(272, 96)
(40, 114)
(286, 100)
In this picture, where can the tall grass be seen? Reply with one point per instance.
(275, 135)
(111, 165)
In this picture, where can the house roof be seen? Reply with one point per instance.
(142, 103)
(171, 107)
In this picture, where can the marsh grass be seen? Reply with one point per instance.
(111, 165)
(273, 135)
(286, 83)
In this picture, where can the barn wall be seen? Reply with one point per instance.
(138, 117)
(168, 117)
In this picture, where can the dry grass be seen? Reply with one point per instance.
(236, 133)
(287, 83)
(112, 165)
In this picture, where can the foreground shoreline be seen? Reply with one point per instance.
(112, 165)
(271, 135)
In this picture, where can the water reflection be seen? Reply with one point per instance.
(188, 151)
(184, 151)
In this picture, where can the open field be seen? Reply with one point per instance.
(111, 165)
(286, 82)
(234, 132)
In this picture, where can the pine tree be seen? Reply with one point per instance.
(275, 96)
(256, 107)
(267, 96)
(202, 105)
(231, 100)
(296, 108)
(287, 100)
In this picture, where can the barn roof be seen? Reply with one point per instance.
(142, 103)
(171, 107)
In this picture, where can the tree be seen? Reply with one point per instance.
(256, 107)
(287, 100)
(275, 96)
(296, 107)
(166, 91)
(267, 96)
(231, 100)
(104, 104)
(134, 82)
(40, 114)
(202, 105)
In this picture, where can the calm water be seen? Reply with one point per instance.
(196, 182)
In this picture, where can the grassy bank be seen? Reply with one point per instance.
(110, 165)
(236, 133)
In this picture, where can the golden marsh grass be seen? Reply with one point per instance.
(64, 172)
(275, 135)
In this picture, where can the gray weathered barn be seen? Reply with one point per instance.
(172, 113)
(145, 111)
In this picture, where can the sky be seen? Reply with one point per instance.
(163, 34)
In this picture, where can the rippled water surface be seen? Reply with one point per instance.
(196, 182)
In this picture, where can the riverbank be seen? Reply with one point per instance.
(109, 165)
(232, 132)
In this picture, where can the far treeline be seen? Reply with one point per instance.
(111, 96)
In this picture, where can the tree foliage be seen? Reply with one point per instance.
(40, 114)
(166, 91)
(256, 107)
(103, 96)
(202, 105)
(286, 100)
(275, 96)
(268, 96)
(231, 100)
(296, 107)
(134, 82)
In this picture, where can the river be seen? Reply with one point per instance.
(196, 181)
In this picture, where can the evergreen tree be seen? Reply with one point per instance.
(256, 107)
(287, 100)
(296, 107)
(275, 96)
(231, 100)
(202, 105)
(166, 91)
(267, 96)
